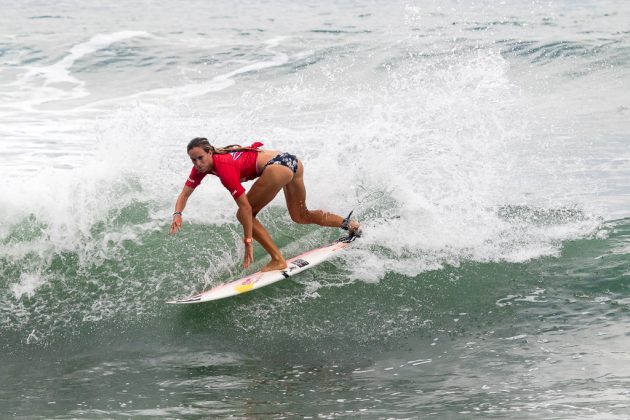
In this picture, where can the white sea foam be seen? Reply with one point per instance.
(421, 146)
(456, 131)
(43, 84)
(200, 89)
(28, 284)
(60, 71)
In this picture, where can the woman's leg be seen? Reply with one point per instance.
(295, 194)
(266, 187)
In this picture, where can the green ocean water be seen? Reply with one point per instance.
(491, 338)
(481, 144)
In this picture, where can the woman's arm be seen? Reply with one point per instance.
(244, 215)
(179, 207)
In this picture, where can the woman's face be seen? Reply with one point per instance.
(201, 159)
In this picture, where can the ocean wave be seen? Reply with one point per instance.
(129, 267)
(544, 53)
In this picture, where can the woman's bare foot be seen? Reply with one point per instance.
(275, 265)
(354, 229)
(352, 226)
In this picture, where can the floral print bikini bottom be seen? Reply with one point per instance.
(284, 159)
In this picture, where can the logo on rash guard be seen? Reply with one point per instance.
(236, 155)
(191, 180)
(234, 193)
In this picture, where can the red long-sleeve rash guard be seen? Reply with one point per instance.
(231, 168)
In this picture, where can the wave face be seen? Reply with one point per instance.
(481, 145)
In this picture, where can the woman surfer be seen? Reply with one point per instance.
(275, 171)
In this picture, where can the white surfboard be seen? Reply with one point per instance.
(259, 279)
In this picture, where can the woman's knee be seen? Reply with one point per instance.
(254, 213)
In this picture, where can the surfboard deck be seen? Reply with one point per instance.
(259, 279)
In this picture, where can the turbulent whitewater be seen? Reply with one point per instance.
(482, 145)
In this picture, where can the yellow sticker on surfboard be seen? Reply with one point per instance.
(242, 288)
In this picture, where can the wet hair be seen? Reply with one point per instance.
(203, 143)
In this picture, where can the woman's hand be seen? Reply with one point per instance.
(244, 215)
(179, 208)
(249, 254)
(177, 224)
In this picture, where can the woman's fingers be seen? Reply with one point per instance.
(175, 226)
(246, 261)
(249, 255)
